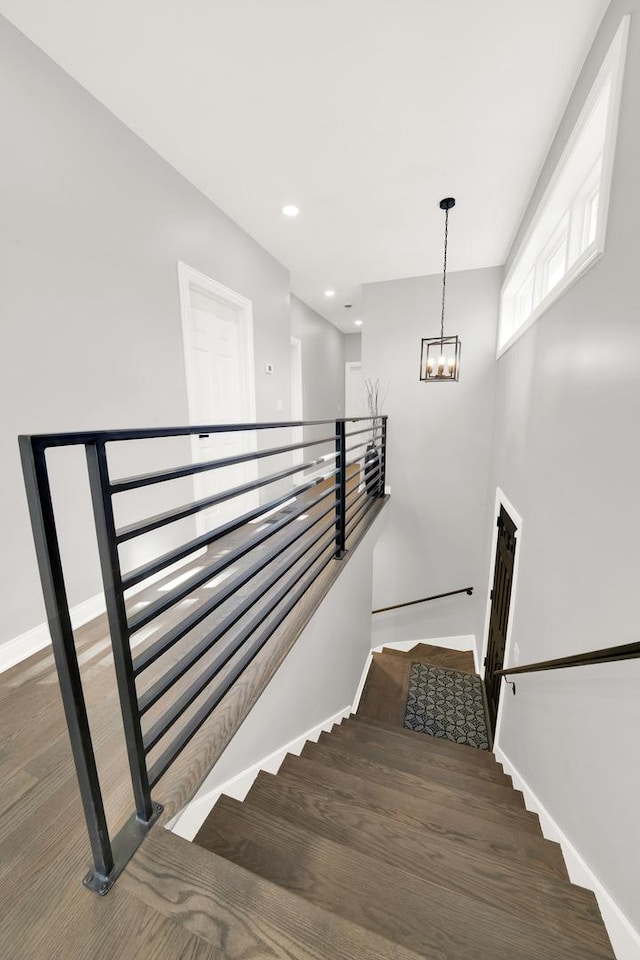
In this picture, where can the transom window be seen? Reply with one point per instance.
(567, 232)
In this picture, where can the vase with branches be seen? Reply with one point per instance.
(376, 395)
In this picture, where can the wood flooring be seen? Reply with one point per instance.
(155, 909)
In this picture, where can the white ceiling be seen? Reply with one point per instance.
(364, 113)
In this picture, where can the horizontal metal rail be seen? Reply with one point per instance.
(160, 766)
(188, 510)
(367, 444)
(436, 596)
(363, 512)
(200, 649)
(137, 575)
(369, 502)
(191, 469)
(355, 433)
(42, 441)
(212, 570)
(627, 651)
(161, 727)
(176, 633)
(281, 565)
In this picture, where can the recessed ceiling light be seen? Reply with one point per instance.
(329, 293)
(358, 323)
(290, 210)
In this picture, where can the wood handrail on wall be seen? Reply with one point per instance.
(627, 651)
(437, 596)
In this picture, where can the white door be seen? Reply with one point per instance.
(355, 394)
(296, 399)
(218, 342)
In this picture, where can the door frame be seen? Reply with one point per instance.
(501, 500)
(189, 278)
(348, 367)
(297, 401)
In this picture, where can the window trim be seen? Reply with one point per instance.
(611, 69)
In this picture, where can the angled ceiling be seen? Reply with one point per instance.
(363, 113)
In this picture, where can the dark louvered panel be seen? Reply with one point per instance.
(500, 599)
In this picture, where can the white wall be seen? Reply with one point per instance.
(92, 225)
(568, 458)
(318, 679)
(352, 347)
(439, 447)
(322, 362)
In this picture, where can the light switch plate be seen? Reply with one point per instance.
(268, 367)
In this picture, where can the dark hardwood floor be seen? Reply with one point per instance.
(44, 911)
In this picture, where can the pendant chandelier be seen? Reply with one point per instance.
(440, 356)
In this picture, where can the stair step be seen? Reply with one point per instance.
(463, 830)
(438, 656)
(450, 773)
(423, 916)
(499, 810)
(433, 817)
(488, 876)
(419, 745)
(240, 913)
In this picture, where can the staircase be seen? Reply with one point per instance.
(403, 846)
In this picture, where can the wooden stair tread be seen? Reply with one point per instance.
(424, 917)
(429, 815)
(420, 745)
(437, 656)
(500, 811)
(451, 773)
(487, 875)
(465, 831)
(240, 913)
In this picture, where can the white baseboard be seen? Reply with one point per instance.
(189, 821)
(361, 682)
(32, 641)
(625, 939)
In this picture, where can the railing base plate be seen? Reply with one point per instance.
(124, 846)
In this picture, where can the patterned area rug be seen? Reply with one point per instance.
(447, 704)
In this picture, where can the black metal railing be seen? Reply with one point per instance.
(280, 563)
(626, 651)
(436, 596)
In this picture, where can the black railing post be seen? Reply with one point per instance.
(341, 492)
(55, 597)
(383, 457)
(118, 627)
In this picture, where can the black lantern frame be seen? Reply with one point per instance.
(440, 359)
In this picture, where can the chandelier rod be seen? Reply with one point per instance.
(445, 205)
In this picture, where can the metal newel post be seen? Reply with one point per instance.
(55, 598)
(341, 492)
(118, 626)
(383, 458)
